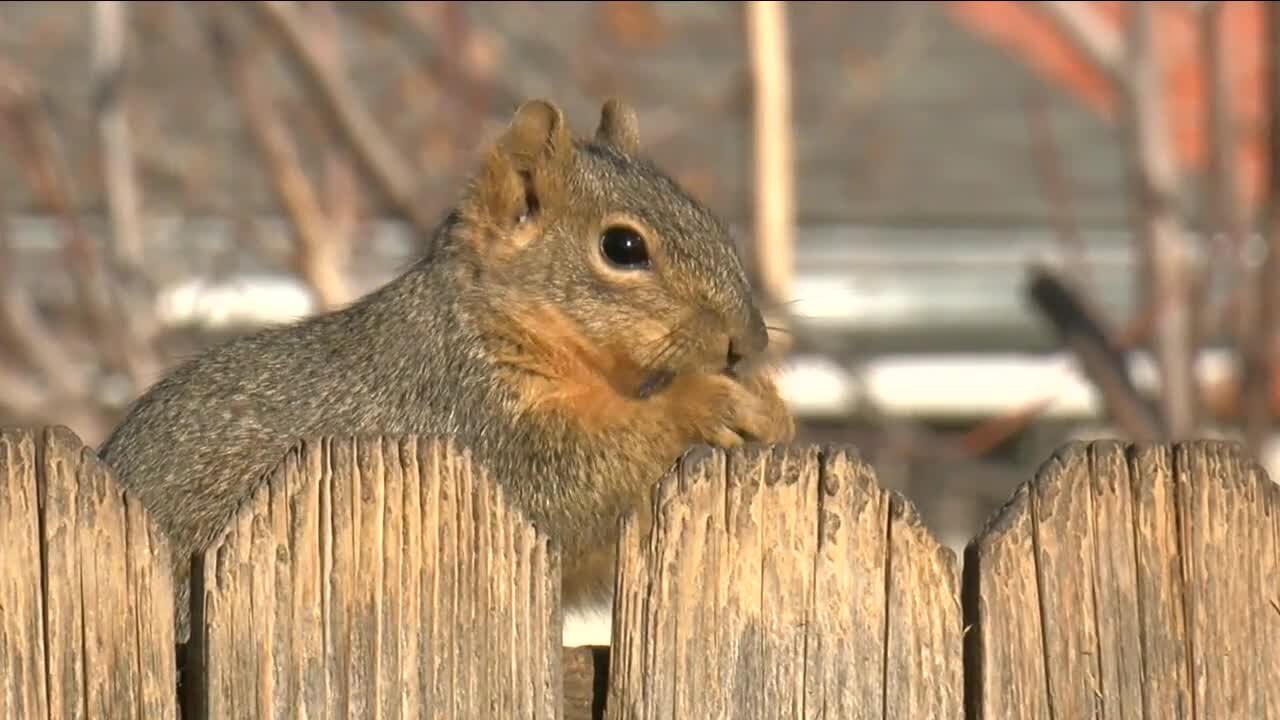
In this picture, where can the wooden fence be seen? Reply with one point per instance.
(387, 578)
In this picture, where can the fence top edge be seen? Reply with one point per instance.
(1076, 461)
(786, 462)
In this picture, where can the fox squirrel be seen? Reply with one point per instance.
(578, 323)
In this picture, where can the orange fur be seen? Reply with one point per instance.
(558, 369)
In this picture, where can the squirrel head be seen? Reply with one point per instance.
(587, 230)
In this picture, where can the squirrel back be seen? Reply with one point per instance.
(579, 322)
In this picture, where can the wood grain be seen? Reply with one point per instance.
(388, 578)
(782, 582)
(1129, 581)
(23, 687)
(86, 592)
(586, 682)
(379, 578)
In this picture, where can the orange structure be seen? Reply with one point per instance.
(1028, 35)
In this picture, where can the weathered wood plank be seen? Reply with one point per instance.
(1151, 568)
(1159, 600)
(400, 564)
(339, 618)
(450, 602)
(1120, 667)
(851, 604)
(1004, 639)
(1063, 542)
(1267, 592)
(102, 536)
(411, 579)
(1212, 497)
(366, 629)
(740, 578)
(277, 603)
(1268, 589)
(86, 592)
(778, 582)
(23, 688)
(924, 675)
(309, 553)
(586, 682)
(391, 660)
(64, 621)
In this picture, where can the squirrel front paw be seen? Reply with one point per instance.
(727, 411)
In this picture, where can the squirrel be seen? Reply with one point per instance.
(578, 322)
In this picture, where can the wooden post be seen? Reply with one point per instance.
(1129, 582)
(780, 582)
(86, 589)
(377, 577)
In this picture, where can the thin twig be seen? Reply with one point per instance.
(1166, 276)
(341, 185)
(119, 181)
(1131, 65)
(471, 86)
(342, 197)
(1225, 212)
(1048, 165)
(21, 396)
(123, 195)
(379, 158)
(993, 432)
(773, 175)
(318, 246)
(1098, 43)
(24, 333)
(1100, 356)
(34, 143)
(1260, 372)
(32, 405)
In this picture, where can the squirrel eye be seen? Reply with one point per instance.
(624, 248)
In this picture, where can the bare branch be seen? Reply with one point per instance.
(380, 159)
(33, 405)
(342, 197)
(1226, 215)
(1226, 209)
(21, 396)
(319, 247)
(1132, 68)
(774, 172)
(1101, 45)
(1099, 354)
(1261, 371)
(1166, 276)
(33, 146)
(123, 194)
(24, 333)
(34, 143)
(1044, 150)
(119, 182)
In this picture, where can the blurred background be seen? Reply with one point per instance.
(985, 228)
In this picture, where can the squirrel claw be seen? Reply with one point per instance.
(723, 437)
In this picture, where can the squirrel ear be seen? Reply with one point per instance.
(619, 126)
(521, 174)
(537, 131)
